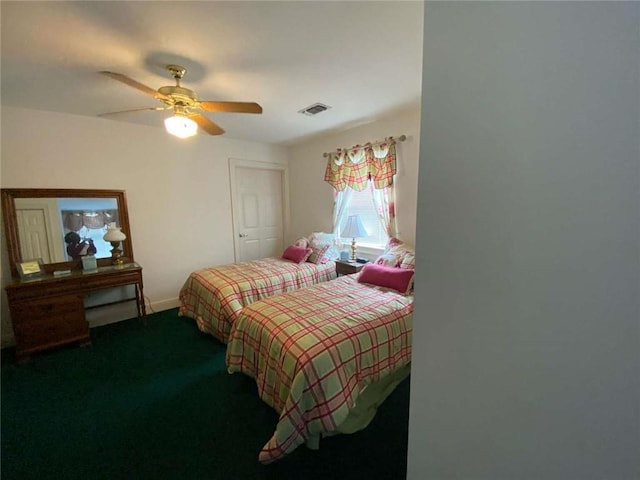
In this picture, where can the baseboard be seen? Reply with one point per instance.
(114, 314)
(111, 314)
(162, 305)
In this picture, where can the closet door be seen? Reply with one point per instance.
(259, 210)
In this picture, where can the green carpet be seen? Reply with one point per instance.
(156, 402)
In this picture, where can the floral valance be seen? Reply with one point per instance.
(355, 166)
(74, 221)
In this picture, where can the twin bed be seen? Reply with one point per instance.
(215, 296)
(324, 351)
(314, 354)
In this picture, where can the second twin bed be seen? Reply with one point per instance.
(324, 351)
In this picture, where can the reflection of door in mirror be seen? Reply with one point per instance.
(39, 229)
(43, 224)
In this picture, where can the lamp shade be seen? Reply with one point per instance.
(114, 234)
(181, 126)
(354, 228)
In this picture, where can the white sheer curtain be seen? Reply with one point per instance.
(340, 203)
(384, 201)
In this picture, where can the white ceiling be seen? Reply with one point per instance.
(363, 58)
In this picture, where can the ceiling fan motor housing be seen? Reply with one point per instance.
(179, 95)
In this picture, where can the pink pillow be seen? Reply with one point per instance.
(296, 254)
(398, 279)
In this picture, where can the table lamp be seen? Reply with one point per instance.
(114, 236)
(354, 229)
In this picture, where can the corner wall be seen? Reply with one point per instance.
(526, 334)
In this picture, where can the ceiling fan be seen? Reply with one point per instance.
(185, 106)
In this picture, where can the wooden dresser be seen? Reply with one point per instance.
(48, 311)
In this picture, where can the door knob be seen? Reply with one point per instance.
(242, 235)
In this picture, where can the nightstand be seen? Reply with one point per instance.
(346, 268)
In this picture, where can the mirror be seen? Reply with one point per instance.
(60, 226)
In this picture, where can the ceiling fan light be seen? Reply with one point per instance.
(181, 126)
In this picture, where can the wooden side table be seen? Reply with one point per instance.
(347, 268)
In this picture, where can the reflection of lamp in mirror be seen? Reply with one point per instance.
(354, 229)
(114, 236)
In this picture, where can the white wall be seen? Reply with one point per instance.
(178, 192)
(526, 351)
(312, 197)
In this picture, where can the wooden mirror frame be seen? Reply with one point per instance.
(11, 222)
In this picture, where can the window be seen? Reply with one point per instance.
(361, 203)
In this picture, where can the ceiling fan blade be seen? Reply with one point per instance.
(205, 124)
(132, 111)
(230, 107)
(133, 83)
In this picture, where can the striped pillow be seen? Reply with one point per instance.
(409, 261)
(317, 254)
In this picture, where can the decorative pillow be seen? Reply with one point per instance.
(388, 260)
(409, 261)
(318, 254)
(397, 248)
(302, 242)
(398, 279)
(319, 239)
(392, 242)
(324, 237)
(398, 253)
(296, 254)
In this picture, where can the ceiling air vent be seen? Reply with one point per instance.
(314, 109)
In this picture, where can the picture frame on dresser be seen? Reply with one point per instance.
(30, 269)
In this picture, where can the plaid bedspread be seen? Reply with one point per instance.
(214, 296)
(312, 351)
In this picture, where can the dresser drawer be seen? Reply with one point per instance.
(48, 322)
(45, 307)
